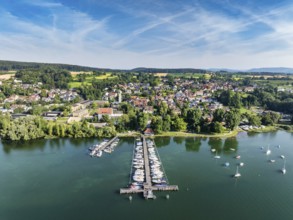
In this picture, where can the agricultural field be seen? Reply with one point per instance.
(88, 78)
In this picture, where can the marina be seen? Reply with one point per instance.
(91, 188)
(107, 146)
(147, 172)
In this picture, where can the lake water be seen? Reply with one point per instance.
(55, 179)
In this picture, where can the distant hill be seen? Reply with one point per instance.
(272, 70)
(15, 65)
(164, 70)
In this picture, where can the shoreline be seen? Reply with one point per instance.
(185, 134)
(203, 135)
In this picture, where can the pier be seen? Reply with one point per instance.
(108, 143)
(96, 150)
(148, 187)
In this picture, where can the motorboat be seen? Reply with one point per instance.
(99, 153)
(241, 164)
(226, 164)
(282, 156)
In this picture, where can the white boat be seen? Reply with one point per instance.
(237, 174)
(213, 150)
(238, 157)
(217, 156)
(241, 164)
(99, 153)
(227, 164)
(282, 156)
(232, 149)
(272, 161)
(284, 168)
(268, 152)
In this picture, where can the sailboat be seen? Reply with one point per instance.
(284, 168)
(237, 174)
(217, 156)
(268, 152)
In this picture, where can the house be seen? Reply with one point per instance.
(81, 105)
(108, 111)
(34, 98)
(148, 131)
(52, 114)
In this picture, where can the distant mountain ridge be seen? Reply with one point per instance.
(272, 70)
(17, 65)
(256, 70)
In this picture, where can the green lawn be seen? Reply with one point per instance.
(89, 79)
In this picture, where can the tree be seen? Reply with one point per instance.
(178, 124)
(193, 119)
(270, 118)
(235, 101)
(163, 109)
(232, 118)
(122, 123)
(218, 115)
(157, 124)
(217, 127)
(142, 119)
(254, 120)
(167, 123)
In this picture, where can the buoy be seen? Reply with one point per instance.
(167, 196)
(130, 198)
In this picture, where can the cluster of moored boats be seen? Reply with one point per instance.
(97, 149)
(157, 174)
(138, 165)
(267, 152)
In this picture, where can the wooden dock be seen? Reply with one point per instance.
(108, 143)
(148, 188)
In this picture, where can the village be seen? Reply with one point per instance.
(176, 93)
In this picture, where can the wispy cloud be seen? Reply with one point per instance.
(165, 35)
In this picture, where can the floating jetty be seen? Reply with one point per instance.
(106, 146)
(147, 172)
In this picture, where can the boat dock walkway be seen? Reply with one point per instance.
(148, 188)
(108, 143)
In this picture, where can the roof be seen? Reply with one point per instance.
(106, 111)
(148, 131)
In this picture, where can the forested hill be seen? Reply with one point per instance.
(15, 65)
(164, 70)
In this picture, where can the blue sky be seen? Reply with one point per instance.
(239, 34)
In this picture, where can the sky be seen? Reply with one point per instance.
(124, 34)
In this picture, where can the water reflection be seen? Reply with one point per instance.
(216, 143)
(179, 140)
(162, 141)
(230, 145)
(23, 145)
(81, 142)
(193, 144)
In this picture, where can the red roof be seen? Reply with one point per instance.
(105, 111)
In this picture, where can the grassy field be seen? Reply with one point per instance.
(6, 76)
(88, 79)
